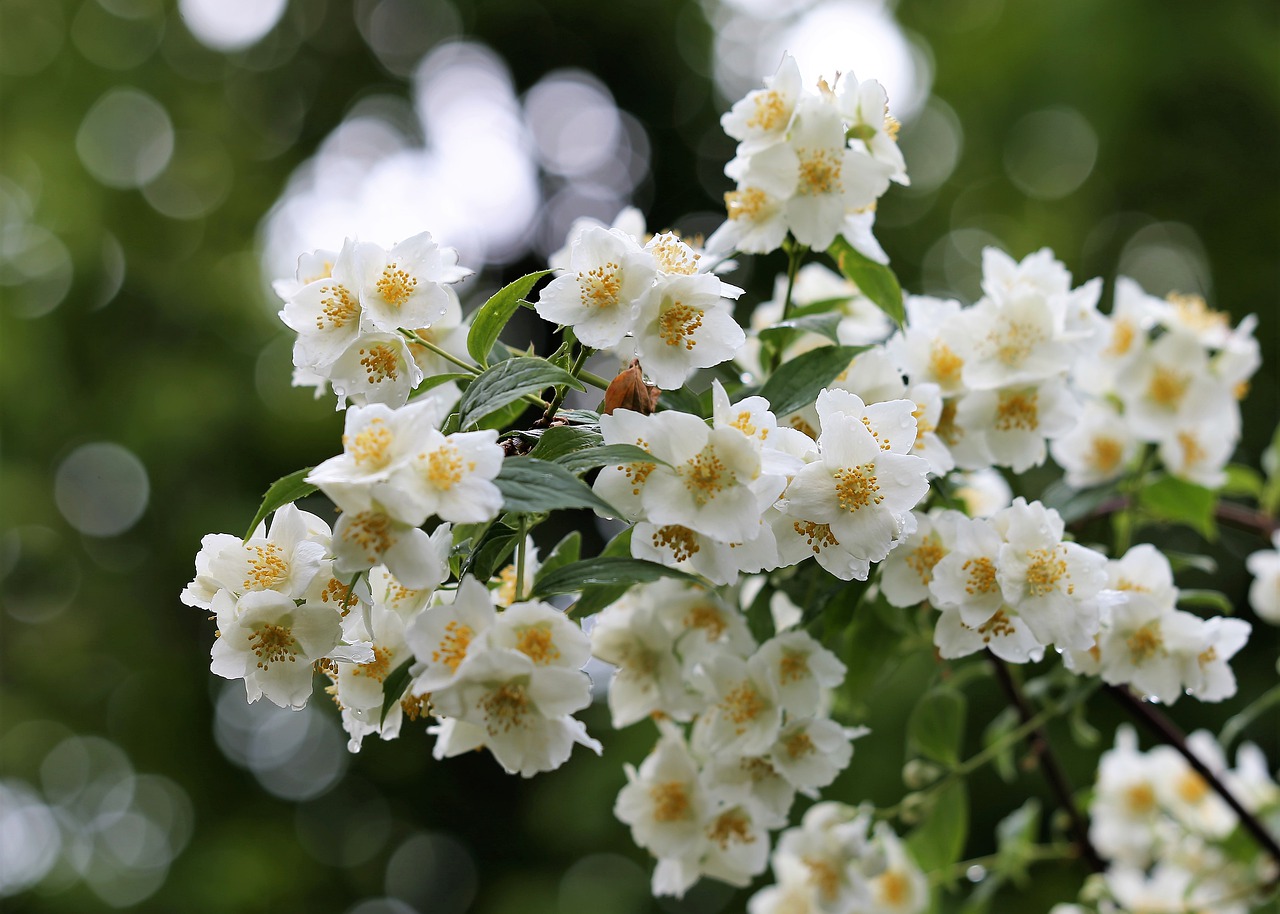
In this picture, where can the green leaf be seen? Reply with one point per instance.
(1207, 599)
(605, 571)
(824, 324)
(437, 380)
(284, 491)
(607, 455)
(1243, 480)
(493, 553)
(869, 645)
(494, 314)
(937, 724)
(508, 381)
(682, 399)
(504, 418)
(997, 734)
(1235, 727)
(939, 842)
(1181, 502)
(596, 597)
(564, 439)
(393, 688)
(1015, 840)
(567, 550)
(1074, 504)
(532, 486)
(875, 280)
(797, 383)
(1188, 561)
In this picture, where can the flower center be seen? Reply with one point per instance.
(1167, 386)
(681, 541)
(743, 704)
(819, 172)
(537, 644)
(338, 307)
(856, 487)
(380, 363)
(1145, 643)
(1017, 411)
(1047, 568)
(746, 203)
(944, 363)
(452, 649)
(678, 324)
(267, 567)
(770, 112)
(729, 827)
(378, 668)
(505, 708)
(982, 575)
(705, 475)
(922, 559)
(670, 801)
(273, 644)
(371, 446)
(395, 285)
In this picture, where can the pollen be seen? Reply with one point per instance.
(819, 172)
(673, 255)
(638, 473)
(681, 541)
(338, 307)
(395, 285)
(744, 424)
(1105, 453)
(705, 475)
(267, 567)
(922, 559)
(1140, 798)
(670, 801)
(892, 126)
(599, 287)
(1047, 568)
(505, 708)
(380, 363)
(452, 649)
(1194, 312)
(893, 888)
(770, 112)
(800, 425)
(747, 203)
(678, 324)
(857, 487)
(823, 876)
(371, 531)
(944, 363)
(416, 706)
(370, 448)
(1191, 787)
(507, 589)
(1204, 658)
(998, 626)
(743, 704)
(378, 668)
(817, 536)
(1192, 452)
(273, 644)
(708, 618)
(883, 442)
(1017, 411)
(1123, 334)
(1167, 386)
(1017, 341)
(799, 744)
(445, 467)
(793, 667)
(1145, 643)
(536, 643)
(982, 575)
(731, 827)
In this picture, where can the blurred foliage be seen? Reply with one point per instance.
(186, 367)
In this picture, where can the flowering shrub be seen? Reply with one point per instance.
(797, 499)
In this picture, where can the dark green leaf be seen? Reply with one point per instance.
(1242, 480)
(504, 418)
(493, 315)
(939, 842)
(532, 486)
(1181, 502)
(797, 383)
(508, 381)
(937, 724)
(567, 550)
(596, 597)
(868, 646)
(683, 400)
(493, 554)
(605, 571)
(564, 439)
(607, 455)
(284, 491)
(874, 280)
(393, 687)
(1187, 561)
(1016, 839)
(436, 380)
(781, 333)
(1074, 504)
(1207, 599)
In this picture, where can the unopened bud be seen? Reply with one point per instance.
(629, 391)
(918, 773)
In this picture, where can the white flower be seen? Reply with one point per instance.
(630, 635)
(901, 887)
(452, 476)
(810, 752)
(599, 296)
(908, 571)
(1098, 448)
(1185, 794)
(763, 116)
(683, 324)
(1156, 384)
(405, 286)
(1125, 813)
(865, 485)
(983, 492)
(542, 633)
(270, 642)
(802, 669)
(745, 715)
(1208, 676)
(375, 368)
(663, 801)
(719, 562)
(522, 707)
(756, 222)
(367, 538)
(359, 685)
(924, 349)
(1202, 437)
(1015, 341)
(1264, 590)
(441, 636)
(325, 312)
(866, 106)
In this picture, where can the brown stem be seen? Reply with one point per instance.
(1229, 512)
(1038, 740)
(1168, 733)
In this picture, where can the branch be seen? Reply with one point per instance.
(1038, 740)
(1228, 512)
(1167, 732)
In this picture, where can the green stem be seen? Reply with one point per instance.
(520, 551)
(593, 379)
(795, 256)
(444, 354)
(1035, 854)
(562, 390)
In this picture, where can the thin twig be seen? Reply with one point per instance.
(1168, 733)
(1038, 739)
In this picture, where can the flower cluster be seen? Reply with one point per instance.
(1264, 592)
(703, 802)
(653, 300)
(1166, 833)
(351, 310)
(808, 164)
(836, 862)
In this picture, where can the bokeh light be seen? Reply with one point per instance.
(102, 489)
(1050, 153)
(126, 138)
(230, 25)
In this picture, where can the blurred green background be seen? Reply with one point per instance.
(161, 162)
